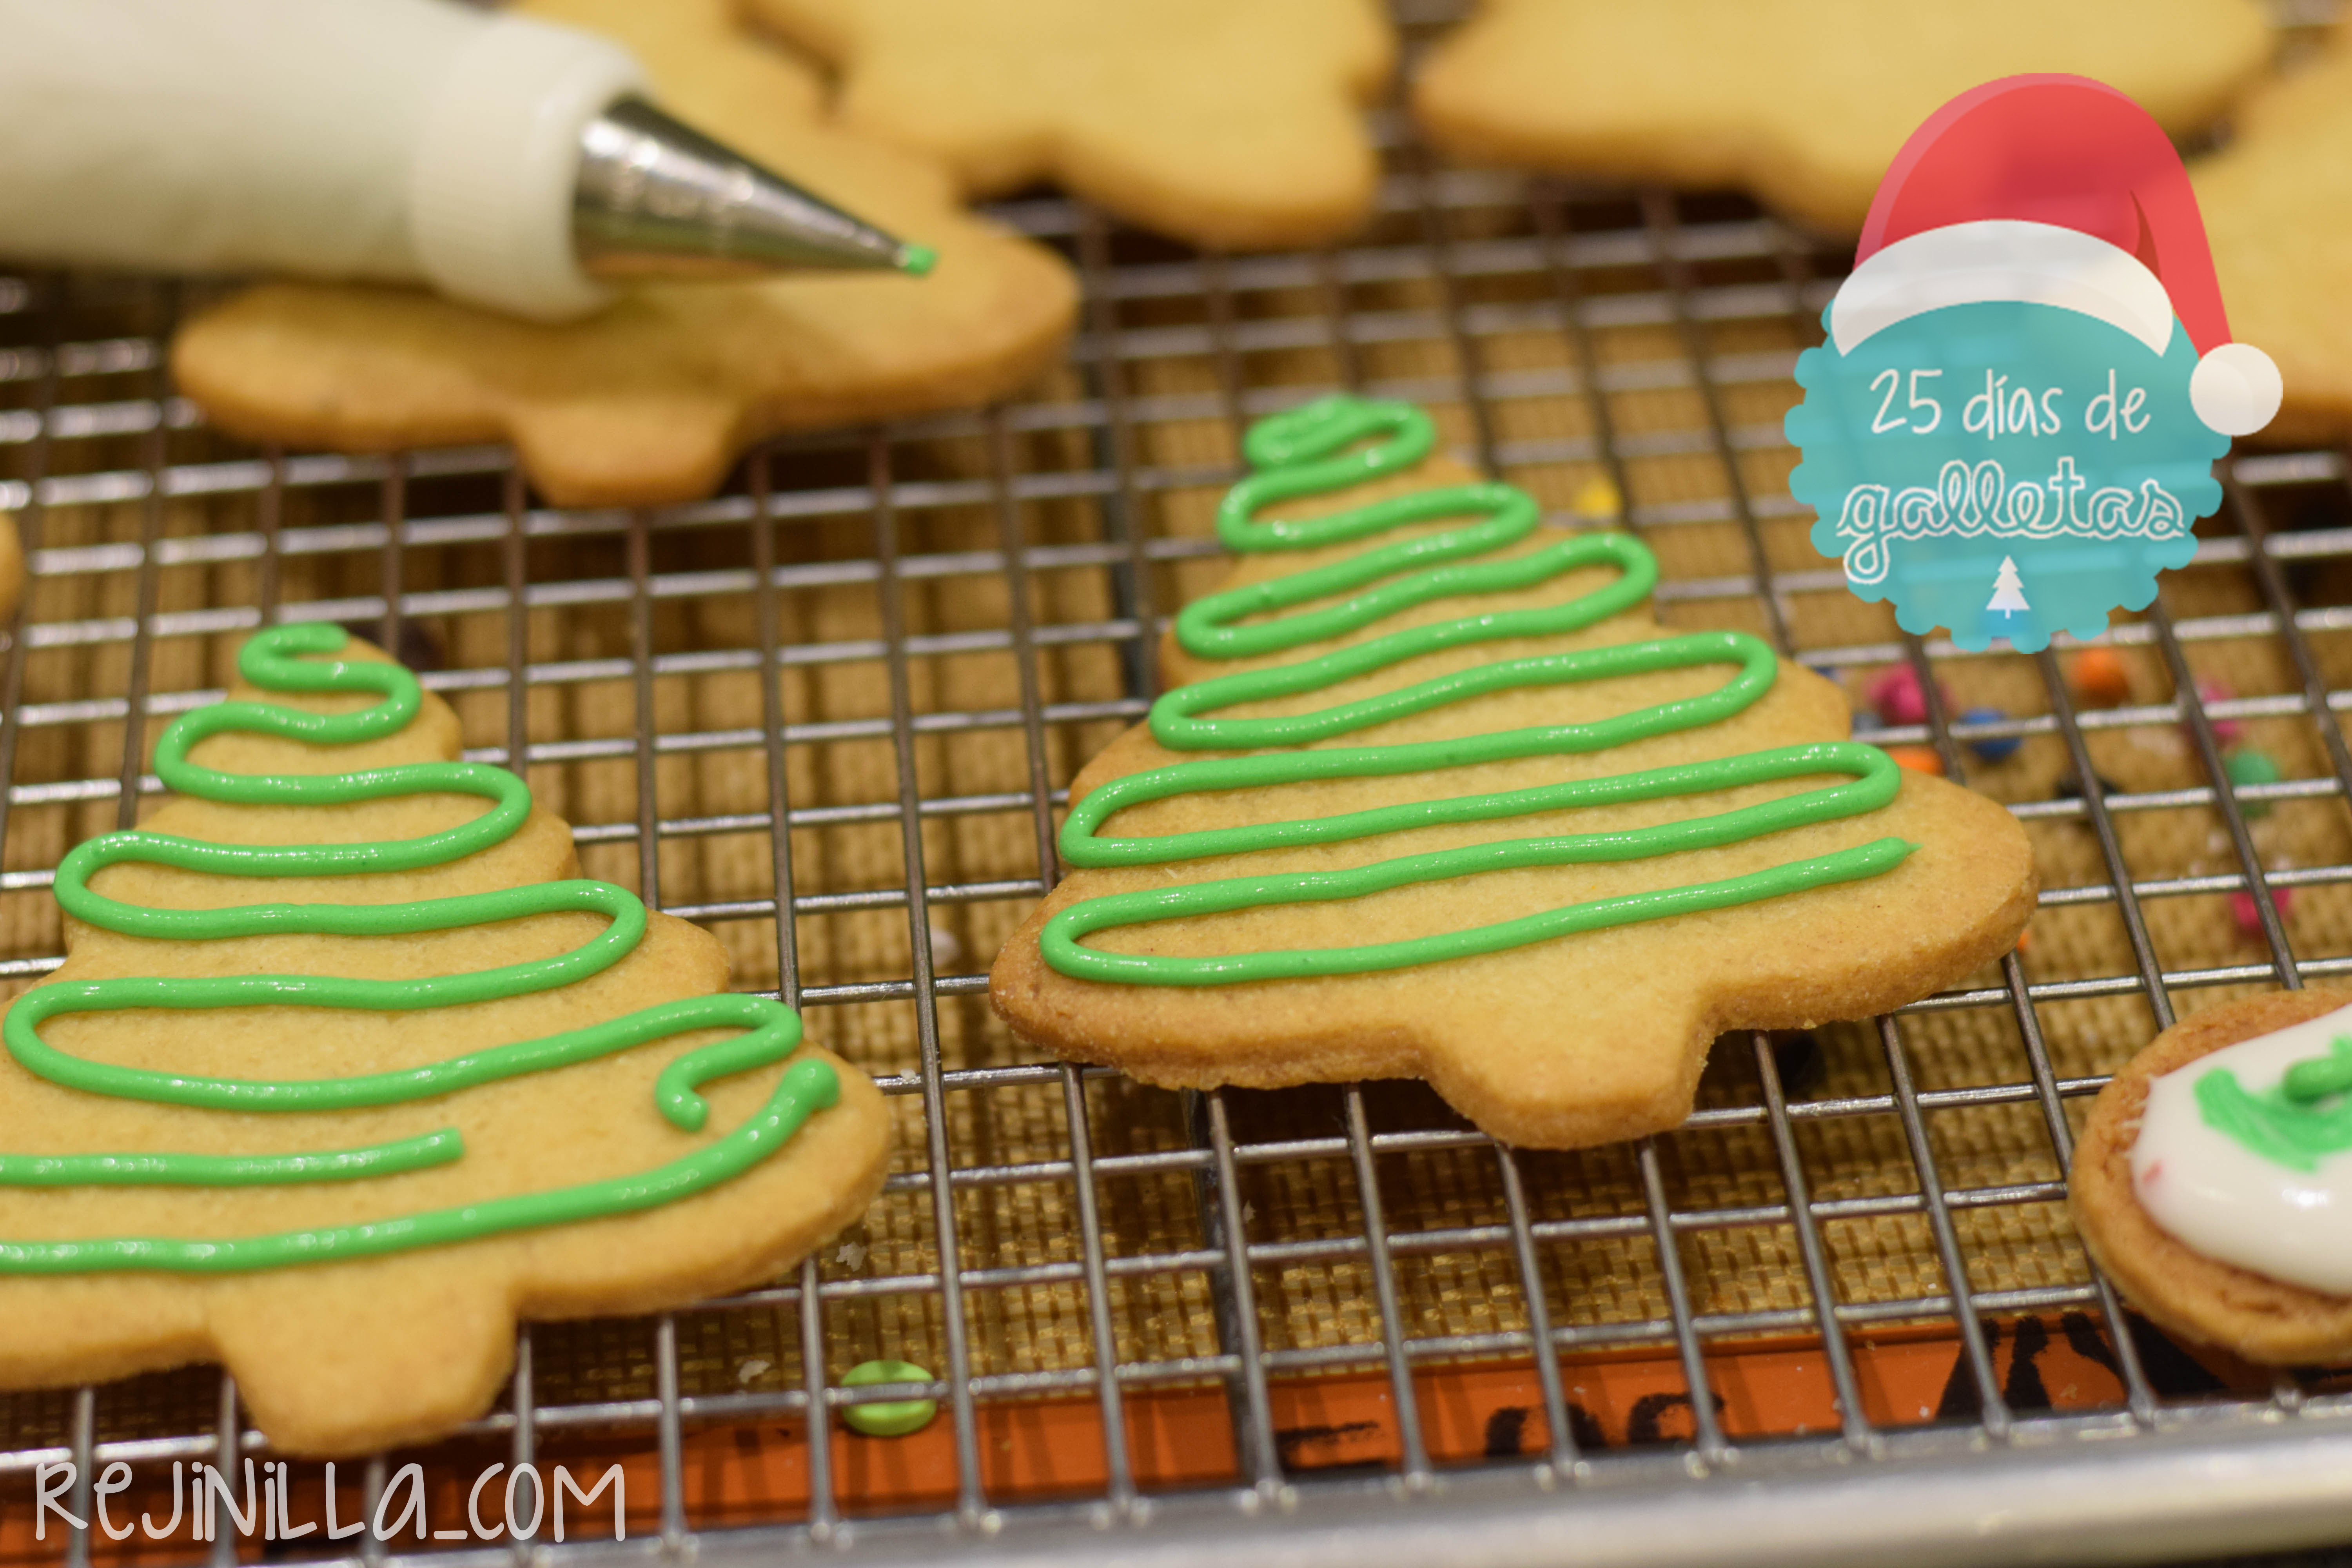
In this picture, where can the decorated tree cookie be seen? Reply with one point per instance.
(347, 1069)
(1441, 801)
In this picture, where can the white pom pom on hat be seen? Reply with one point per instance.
(2055, 152)
(2236, 389)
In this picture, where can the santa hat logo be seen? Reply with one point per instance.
(2054, 190)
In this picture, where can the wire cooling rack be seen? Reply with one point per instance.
(1269, 1326)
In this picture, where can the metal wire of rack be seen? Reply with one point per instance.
(1624, 356)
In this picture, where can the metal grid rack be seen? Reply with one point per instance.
(1625, 356)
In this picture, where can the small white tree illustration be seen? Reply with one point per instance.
(2008, 594)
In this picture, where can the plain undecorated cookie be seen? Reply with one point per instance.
(2278, 210)
(1564, 1043)
(1801, 102)
(12, 566)
(350, 1357)
(651, 400)
(1229, 123)
(2265, 1320)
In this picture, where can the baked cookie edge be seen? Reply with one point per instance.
(2183, 1291)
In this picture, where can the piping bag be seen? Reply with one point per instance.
(506, 162)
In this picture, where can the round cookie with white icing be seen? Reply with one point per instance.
(2213, 1181)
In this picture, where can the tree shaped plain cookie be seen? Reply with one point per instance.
(1229, 123)
(1443, 801)
(652, 399)
(2278, 212)
(1801, 102)
(346, 1070)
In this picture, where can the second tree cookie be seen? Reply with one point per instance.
(1443, 801)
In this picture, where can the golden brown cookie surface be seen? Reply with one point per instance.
(2278, 211)
(1802, 102)
(12, 564)
(652, 399)
(2264, 1320)
(1566, 1042)
(1231, 123)
(341, 1357)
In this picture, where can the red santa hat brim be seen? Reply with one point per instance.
(2060, 190)
(2235, 388)
(2000, 259)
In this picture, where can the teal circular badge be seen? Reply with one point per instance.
(2004, 469)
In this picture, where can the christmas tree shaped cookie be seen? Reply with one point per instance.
(1441, 801)
(2278, 212)
(347, 1070)
(1803, 103)
(1229, 123)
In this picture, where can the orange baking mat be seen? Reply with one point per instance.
(1038, 1450)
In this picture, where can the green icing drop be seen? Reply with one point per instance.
(887, 1417)
(1331, 445)
(280, 661)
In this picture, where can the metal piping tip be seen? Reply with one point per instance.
(655, 198)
